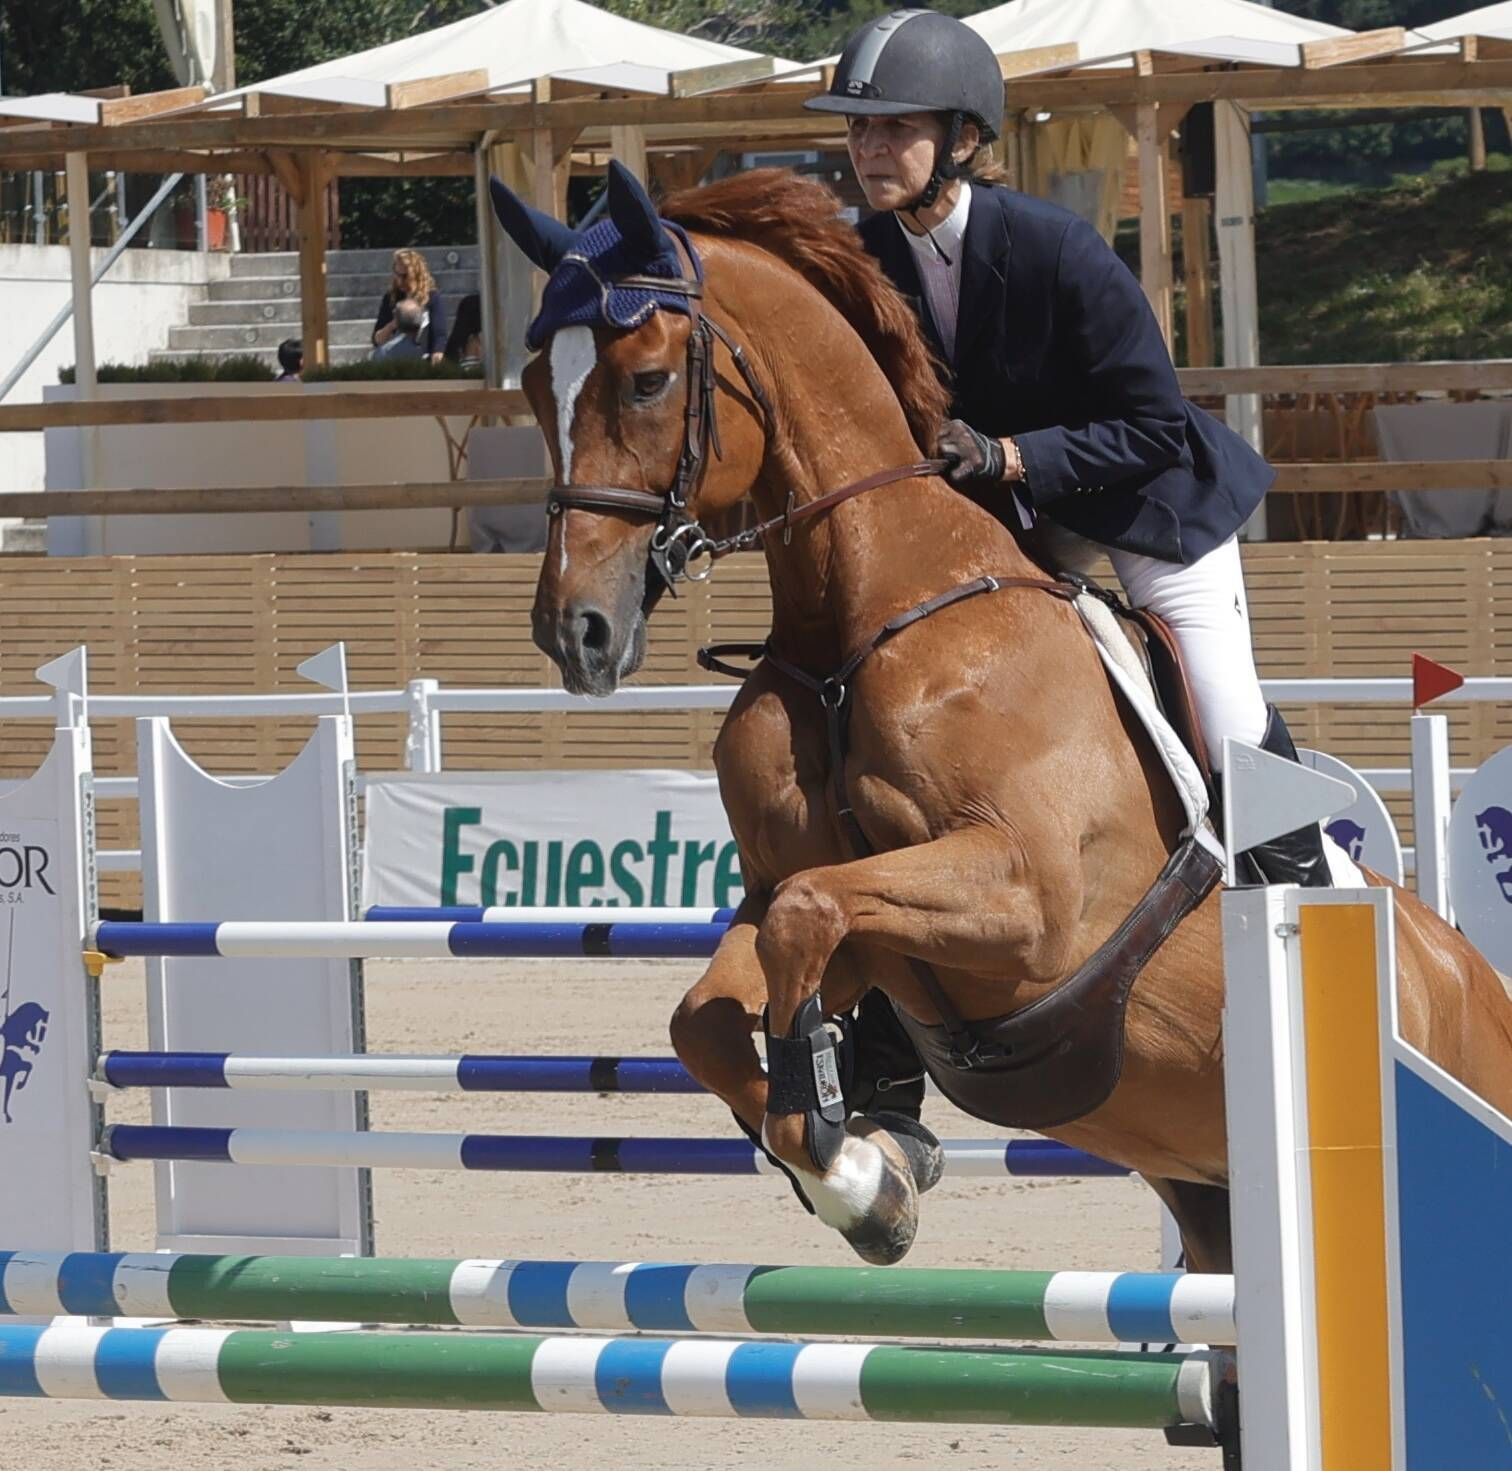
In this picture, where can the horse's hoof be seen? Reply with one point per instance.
(920, 1147)
(868, 1194)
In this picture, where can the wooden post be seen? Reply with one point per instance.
(314, 169)
(551, 168)
(628, 145)
(1154, 219)
(1196, 221)
(512, 301)
(1010, 155)
(81, 272)
(490, 266)
(1028, 173)
(1477, 142)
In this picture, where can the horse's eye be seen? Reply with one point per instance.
(650, 386)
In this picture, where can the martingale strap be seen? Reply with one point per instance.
(1181, 885)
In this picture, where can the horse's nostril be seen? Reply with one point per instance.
(595, 630)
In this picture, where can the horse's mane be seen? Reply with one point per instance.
(798, 221)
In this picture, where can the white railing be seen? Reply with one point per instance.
(425, 701)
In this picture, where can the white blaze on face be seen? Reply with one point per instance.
(573, 356)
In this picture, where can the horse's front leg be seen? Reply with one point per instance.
(869, 1191)
(964, 902)
(714, 1026)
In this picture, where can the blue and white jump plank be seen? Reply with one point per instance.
(547, 914)
(407, 940)
(469, 1073)
(552, 1153)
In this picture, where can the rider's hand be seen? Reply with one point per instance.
(973, 458)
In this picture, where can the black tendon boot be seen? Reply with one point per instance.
(1297, 857)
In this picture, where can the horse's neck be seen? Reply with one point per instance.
(846, 571)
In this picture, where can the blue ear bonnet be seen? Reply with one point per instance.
(584, 266)
(582, 293)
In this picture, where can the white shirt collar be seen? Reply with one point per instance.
(949, 233)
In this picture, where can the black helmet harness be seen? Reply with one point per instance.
(945, 168)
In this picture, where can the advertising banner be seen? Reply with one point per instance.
(610, 838)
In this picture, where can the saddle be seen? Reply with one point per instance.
(1152, 640)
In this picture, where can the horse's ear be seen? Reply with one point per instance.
(631, 209)
(543, 239)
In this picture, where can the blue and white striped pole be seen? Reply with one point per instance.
(468, 1073)
(552, 1153)
(413, 940)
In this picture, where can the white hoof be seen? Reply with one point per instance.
(868, 1194)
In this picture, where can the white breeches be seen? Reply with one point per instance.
(1207, 610)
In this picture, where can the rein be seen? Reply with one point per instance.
(681, 550)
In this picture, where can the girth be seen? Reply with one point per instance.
(1187, 878)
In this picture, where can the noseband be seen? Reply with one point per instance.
(681, 550)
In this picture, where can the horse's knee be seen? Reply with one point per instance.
(706, 1018)
(685, 1026)
(805, 915)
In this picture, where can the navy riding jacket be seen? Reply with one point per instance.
(1057, 347)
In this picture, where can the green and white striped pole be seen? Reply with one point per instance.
(895, 1302)
(645, 1376)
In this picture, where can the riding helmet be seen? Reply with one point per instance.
(917, 61)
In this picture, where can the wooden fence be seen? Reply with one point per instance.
(240, 624)
(269, 217)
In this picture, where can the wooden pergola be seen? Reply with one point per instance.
(536, 137)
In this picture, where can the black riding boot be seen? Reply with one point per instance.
(1297, 857)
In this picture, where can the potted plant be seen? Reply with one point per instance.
(220, 200)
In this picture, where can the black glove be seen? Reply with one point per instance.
(973, 458)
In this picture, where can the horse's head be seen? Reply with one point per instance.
(623, 386)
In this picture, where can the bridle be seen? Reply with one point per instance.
(681, 550)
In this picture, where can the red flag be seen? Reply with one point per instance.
(1430, 680)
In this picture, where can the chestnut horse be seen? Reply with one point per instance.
(1015, 812)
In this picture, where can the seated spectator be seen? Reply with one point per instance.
(404, 340)
(465, 345)
(291, 360)
(413, 280)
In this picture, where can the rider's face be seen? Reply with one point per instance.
(894, 156)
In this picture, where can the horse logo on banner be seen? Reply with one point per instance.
(22, 1032)
(1494, 824)
(1350, 836)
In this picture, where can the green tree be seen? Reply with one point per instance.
(75, 47)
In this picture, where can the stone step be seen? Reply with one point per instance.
(451, 284)
(268, 355)
(249, 338)
(284, 310)
(286, 263)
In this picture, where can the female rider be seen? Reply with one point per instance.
(1067, 413)
(1067, 410)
